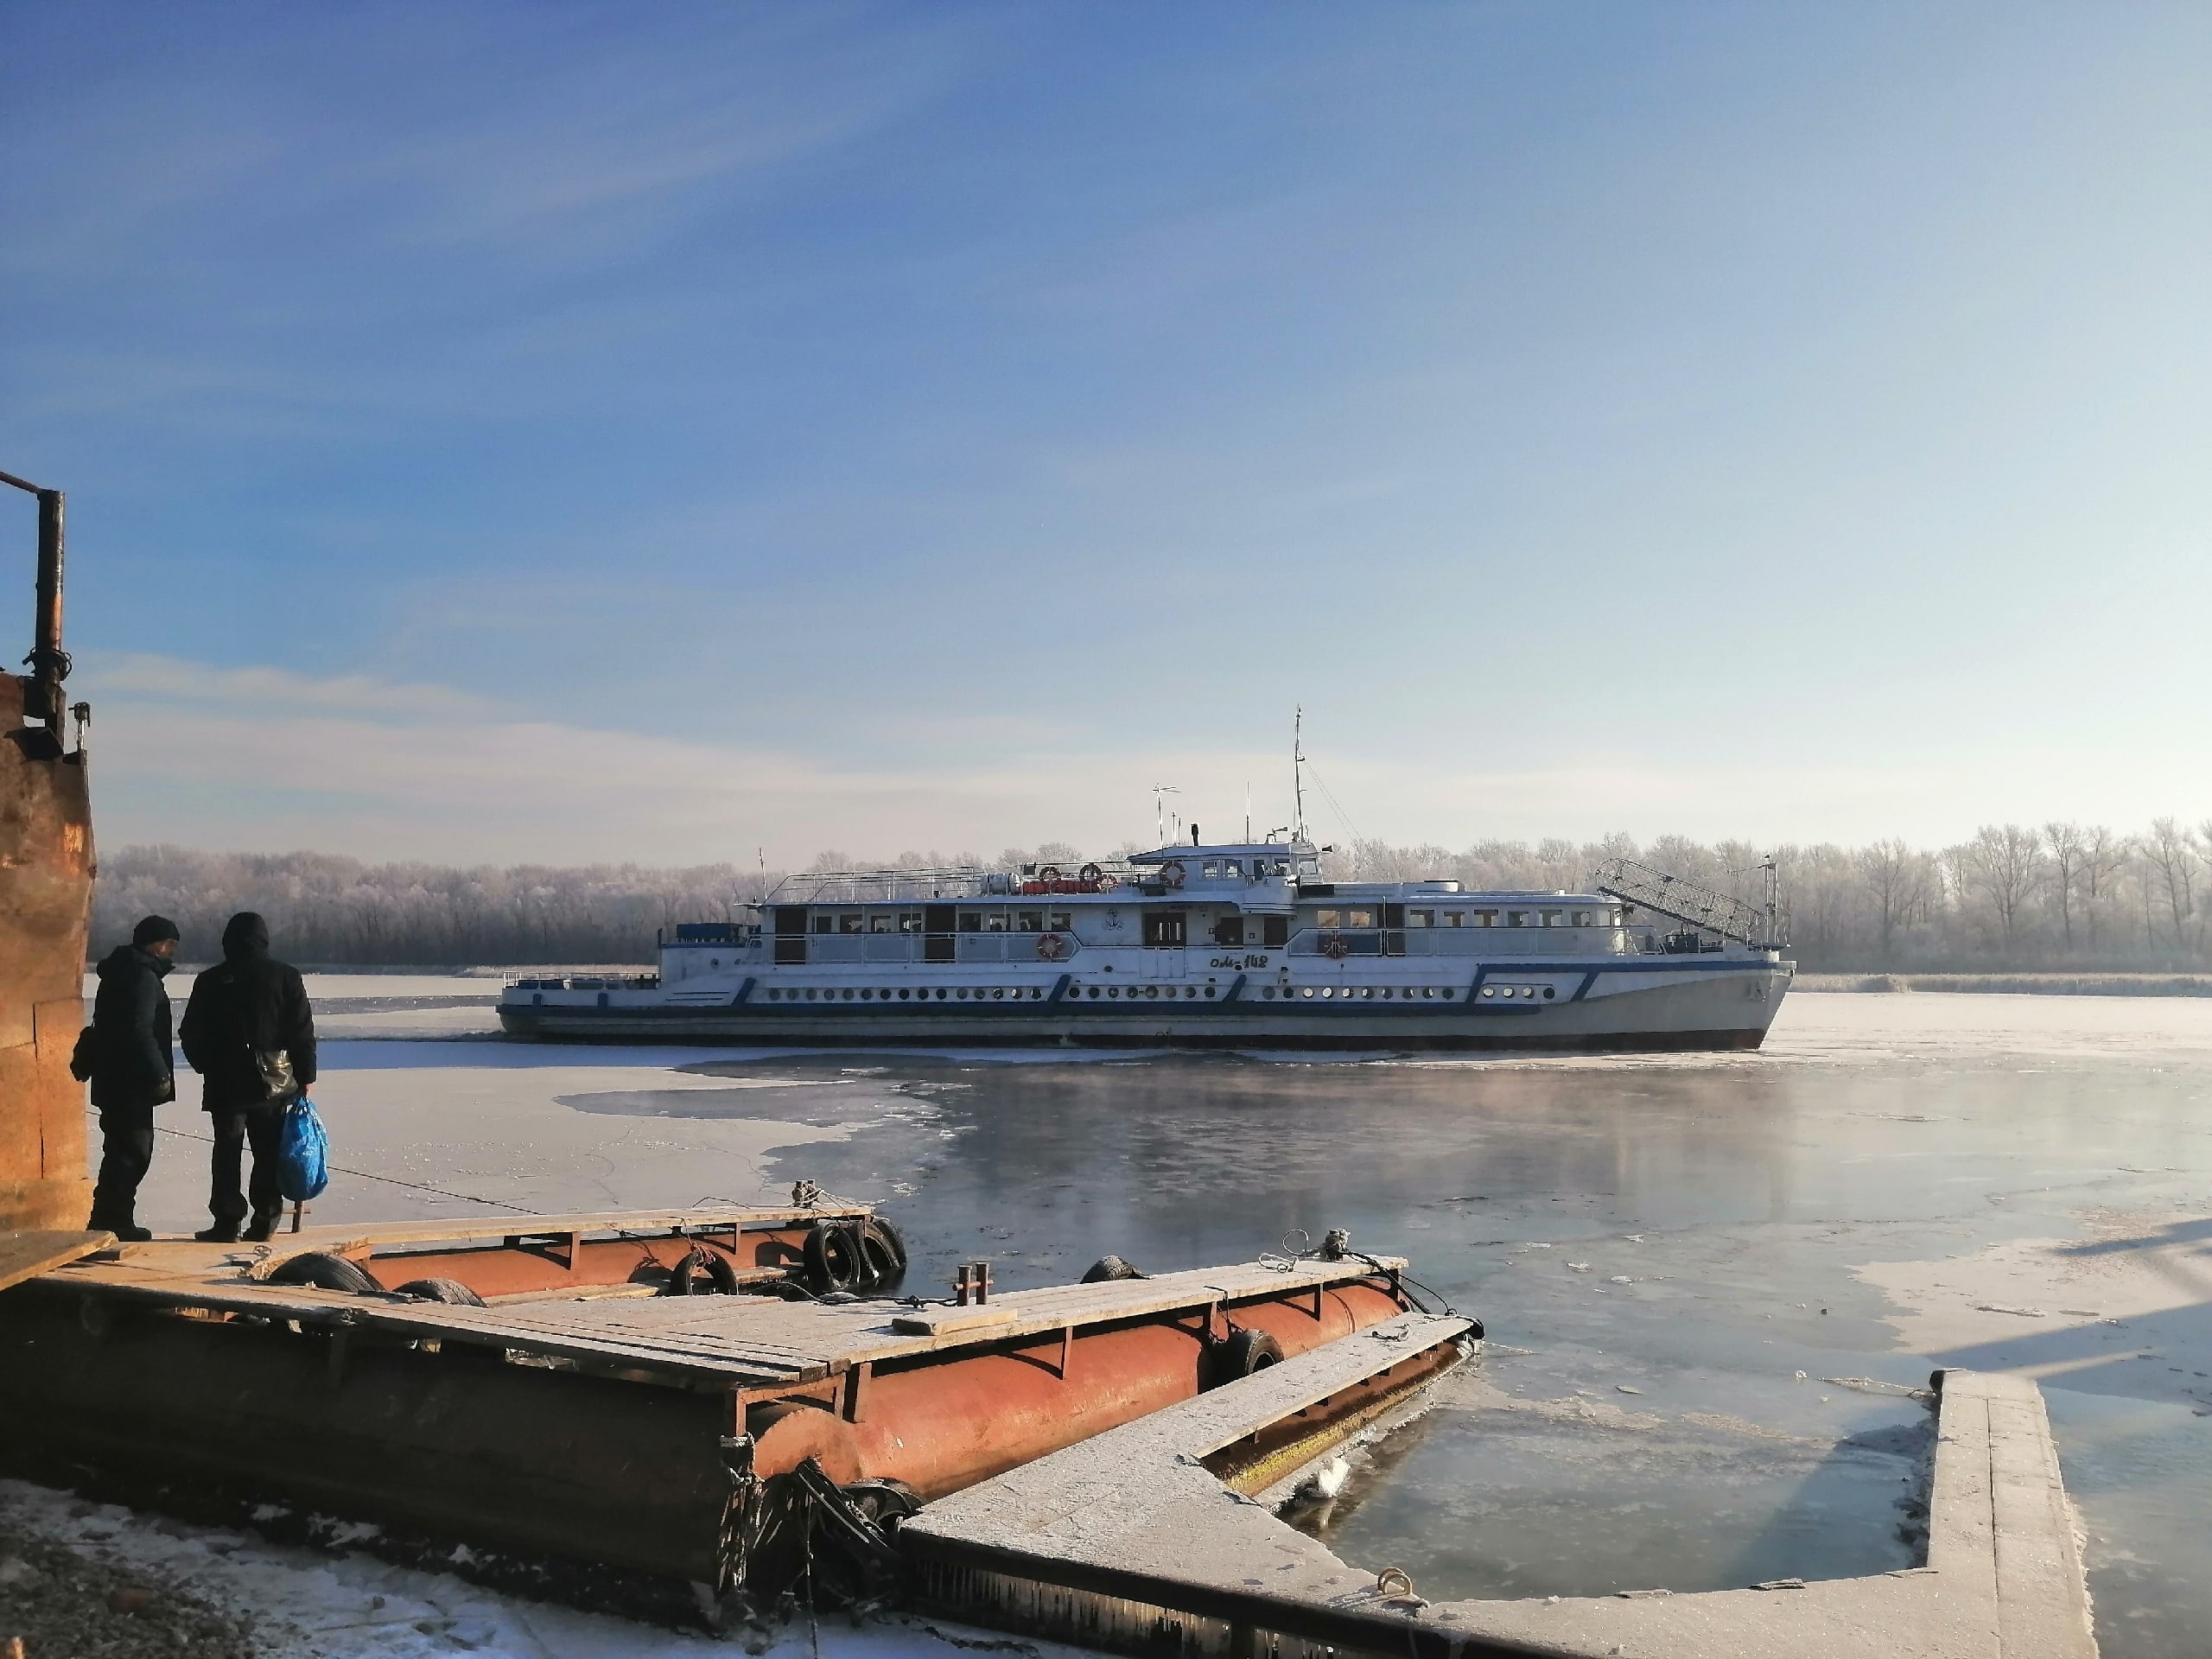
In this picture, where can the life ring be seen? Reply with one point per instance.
(1172, 873)
(1053, 947)
(1049, 872)
(1335, 947)
(1090, 873)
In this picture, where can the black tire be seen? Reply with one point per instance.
(1107, 1267)
(325, 1273)
(883, 1254)
(1237, 1357)
(883, 1500)
(702, 1273)
(449, 1291)
(833, 1256)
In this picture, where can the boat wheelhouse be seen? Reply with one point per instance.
(1243, 945)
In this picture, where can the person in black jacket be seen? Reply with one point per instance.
(132, 1069)
(248, 1016)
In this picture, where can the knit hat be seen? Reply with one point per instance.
(153, 930)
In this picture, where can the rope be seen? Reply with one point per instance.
(370, 1175)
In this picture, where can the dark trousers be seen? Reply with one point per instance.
(126, 1153)
(234, 1128)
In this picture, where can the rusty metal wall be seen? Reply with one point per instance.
(46, 896)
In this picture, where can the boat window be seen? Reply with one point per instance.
(1485, 918)
(1582, 918)
(1211, 869)
(995, 921)
(825, 923)
(1029, 921)
(1420, 918)
(1455, 918)
(1060, 921)
(910, 921)
(1328, 918)
(1517, 918)
(1359, 918)
(1551, 917)
(883, 921)
(1232, 866)
(850, 921)
(1229, 930)
(971, 921)
(1309, 866)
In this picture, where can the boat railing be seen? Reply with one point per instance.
(951, 885)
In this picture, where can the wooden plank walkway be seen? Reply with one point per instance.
(25, 1255)
(712, 1341)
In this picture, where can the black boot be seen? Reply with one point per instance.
(126, 1231)
(259, 1229)
(223, 1232)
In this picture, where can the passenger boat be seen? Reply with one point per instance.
(1245, 945)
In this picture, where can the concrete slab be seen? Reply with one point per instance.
(1126, 1539)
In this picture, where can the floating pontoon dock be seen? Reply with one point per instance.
(585, 1412)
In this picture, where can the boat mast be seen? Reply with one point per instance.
(1298, 774)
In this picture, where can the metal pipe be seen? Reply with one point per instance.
(48, 663)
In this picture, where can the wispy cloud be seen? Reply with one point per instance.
(145, 681)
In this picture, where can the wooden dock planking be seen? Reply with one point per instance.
(358, 1241)
(26, 1256)
(716, 1341)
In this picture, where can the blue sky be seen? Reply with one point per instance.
(570, 432)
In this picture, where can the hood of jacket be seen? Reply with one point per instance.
(245, 938)
(130, 959)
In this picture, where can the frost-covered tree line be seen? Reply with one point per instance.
(2012, 898)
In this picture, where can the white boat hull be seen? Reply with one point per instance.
(1608, 1006)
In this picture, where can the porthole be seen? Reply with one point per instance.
(1307, 991)
(962, 994)
(1446, 993)
(1268, 991)
(998, 993)
(848, 993)
(1550, 991)
(1093, 992)
(903, 994)
(1152, 990)
(1489, 990)
(1328, 990)
(1113, 991)
(1191, 993)
(1209, 991)
(865, 995)
(1386, 992)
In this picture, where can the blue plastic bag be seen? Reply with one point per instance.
(302, 1153)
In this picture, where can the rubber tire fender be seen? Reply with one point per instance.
(702, 1273)
(449, 1291)
(325, 1272)
(883, 1254)
(1107, 1267)
(1238, 1355)
(833, 1256)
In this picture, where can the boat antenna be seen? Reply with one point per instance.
(1298, 774)
(1159, 794)
(1247, 811)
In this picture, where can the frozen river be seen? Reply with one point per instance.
(1709, 1282)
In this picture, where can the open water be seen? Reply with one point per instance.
(1710, 1283)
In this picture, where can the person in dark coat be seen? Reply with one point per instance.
(132, 1069)
(247, 1011)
